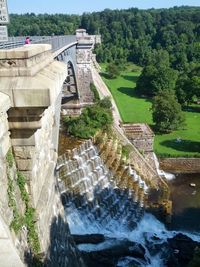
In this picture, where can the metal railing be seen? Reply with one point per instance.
(56, 42)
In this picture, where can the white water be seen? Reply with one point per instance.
(168, 176)
(148, 228)
(101, 207)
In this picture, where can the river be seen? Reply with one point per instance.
(186, 202)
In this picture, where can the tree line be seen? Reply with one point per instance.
(165, 42)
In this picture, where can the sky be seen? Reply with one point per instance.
(80, 6)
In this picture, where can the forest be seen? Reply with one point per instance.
(127, 35)
(164, 42)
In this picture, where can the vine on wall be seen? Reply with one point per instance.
(28, 218)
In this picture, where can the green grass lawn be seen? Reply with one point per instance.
(135, 109)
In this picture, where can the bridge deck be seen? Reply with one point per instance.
(57, 42)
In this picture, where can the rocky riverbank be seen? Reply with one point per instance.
(177, 251)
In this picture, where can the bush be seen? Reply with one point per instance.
(92, 119)
(105, 103)
(126, 150)
(95, 92)
(112, 71)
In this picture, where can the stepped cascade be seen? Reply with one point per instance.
(90, 188)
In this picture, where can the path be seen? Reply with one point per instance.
(104, 91)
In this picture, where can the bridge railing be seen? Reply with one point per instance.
(56, 42)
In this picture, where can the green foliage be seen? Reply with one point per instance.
(136, 109)
(28, 219)
(95, 92)
(33, 25)
(163, 40)
(91, 120)
(112, 70)
(167, 114)
(29, 216)
(10, 158)
(126, 150)
(188, 86)
(32, 236)
(155, 79)
(21, 182)
(17, 221)
(105, 103)
(128, 35)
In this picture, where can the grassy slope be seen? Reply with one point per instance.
(134, 109)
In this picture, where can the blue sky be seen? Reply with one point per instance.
(80, 6)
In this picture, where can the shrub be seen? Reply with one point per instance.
(95, 92)
(92, 119)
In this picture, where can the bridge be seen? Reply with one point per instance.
(74, 51)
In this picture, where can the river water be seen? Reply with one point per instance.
(186, 202)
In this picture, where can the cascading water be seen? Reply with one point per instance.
(166, 175)
(92, 190)
(96, 202)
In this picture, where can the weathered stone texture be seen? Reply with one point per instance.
(24, 152)
(84, 73)
(180, 165)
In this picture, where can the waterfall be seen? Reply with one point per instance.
(166, 175)
(98, 202)
(92, 192)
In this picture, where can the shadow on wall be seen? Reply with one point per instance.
(62, 250)
(182, 145)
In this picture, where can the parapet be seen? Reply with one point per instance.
(30, 76)
(24, 61)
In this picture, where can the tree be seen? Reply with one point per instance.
(167, 113)
(154, 79)
(112, 71)
(188, 87)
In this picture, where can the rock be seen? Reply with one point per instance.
(181, 248)
(109, 256)
(88, 239)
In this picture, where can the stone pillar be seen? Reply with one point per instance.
(84, 63)
(33, 81)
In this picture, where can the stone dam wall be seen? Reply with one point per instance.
(32, 221)
(180, 165)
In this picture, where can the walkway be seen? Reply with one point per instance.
(104, 91)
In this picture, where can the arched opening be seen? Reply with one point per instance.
(69, 91)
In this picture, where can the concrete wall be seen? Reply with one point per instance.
(180, 165)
